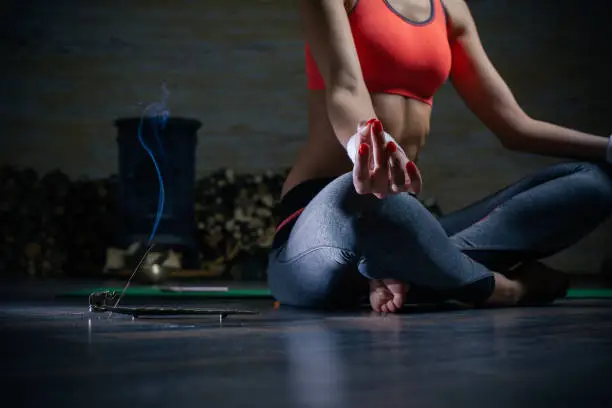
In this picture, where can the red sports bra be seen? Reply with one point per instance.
(396, 55)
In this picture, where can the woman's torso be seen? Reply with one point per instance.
(413, 41)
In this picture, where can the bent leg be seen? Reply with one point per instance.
(341, 234)
(398, 238)
(536, 217)
(316, 266)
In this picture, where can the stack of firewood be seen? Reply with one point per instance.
(236, 219)
(91, 210)
(236, 210)
(52, 225)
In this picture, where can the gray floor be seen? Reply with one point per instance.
(55, 353)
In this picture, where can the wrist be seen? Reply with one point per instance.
(352, 146)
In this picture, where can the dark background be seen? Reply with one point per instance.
(70, 68)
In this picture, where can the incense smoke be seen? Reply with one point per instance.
(158, 114)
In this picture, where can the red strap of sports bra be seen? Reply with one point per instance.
(289, 219)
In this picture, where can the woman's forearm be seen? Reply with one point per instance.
(534, 136)
(347, 107)
(327, 32)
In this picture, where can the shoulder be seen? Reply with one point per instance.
(459, 17)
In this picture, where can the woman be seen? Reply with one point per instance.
(351, 223)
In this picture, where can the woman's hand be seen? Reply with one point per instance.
(381, 166)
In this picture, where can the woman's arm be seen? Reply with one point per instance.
(328, 35)
(487, 95)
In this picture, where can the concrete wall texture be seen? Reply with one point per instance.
(71, 68)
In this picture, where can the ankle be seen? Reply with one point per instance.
(507, 292)
(517, 291)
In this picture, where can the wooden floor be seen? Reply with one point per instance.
(56, 353)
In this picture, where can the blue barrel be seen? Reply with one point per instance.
(138, 191)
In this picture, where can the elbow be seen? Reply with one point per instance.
(345, 109)
(341, 95)
(343, 80)
(345, 91)
(345, 83)
(514, 132)
(348, 103)
(351, 100)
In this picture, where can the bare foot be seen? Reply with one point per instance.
(542, 284)
(387, 295)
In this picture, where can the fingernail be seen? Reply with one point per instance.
(377, 127)
(363, 149)
(391, 147)
(410, 166)
(369, 122)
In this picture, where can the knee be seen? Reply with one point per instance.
(403, 203)
(341, 194)
(595, 181)
(396, 218)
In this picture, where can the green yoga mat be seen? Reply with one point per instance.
(589, 294)
(143, 291)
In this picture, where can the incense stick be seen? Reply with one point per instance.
(138, 266)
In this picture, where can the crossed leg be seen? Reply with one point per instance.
(510, 230)
(463, 257)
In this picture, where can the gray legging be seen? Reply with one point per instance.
(325, 255)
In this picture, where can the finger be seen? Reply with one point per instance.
(367, 138)
(384, 308)
(364, 133)
(378, 146)
(361, 171)
(391, 306)
(362, 161)
(397, 172)
(364, 138)
(416, 182)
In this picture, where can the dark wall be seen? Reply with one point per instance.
(71, 67)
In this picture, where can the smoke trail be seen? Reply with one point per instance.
(158, 113)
